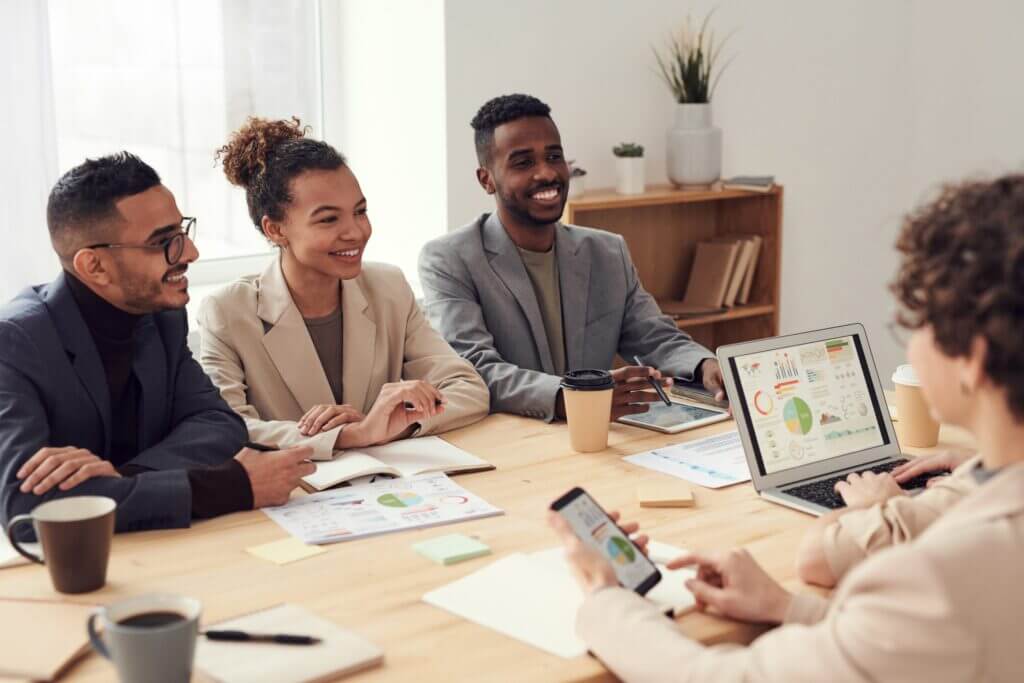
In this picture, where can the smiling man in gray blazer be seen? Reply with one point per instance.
(526, 298)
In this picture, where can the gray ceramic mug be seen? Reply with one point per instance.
(149, 639)
(75, 534)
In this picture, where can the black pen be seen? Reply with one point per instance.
(654, 383)
(243, 637)
(259, 446)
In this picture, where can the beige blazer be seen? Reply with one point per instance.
(900, 519)
(944, 607)
(256, 349)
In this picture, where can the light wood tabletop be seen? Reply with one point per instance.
(374, 586)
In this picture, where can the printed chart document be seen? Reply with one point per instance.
(533, 597)
(379, 508)
(714, 461)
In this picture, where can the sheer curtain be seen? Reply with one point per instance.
(29, 166)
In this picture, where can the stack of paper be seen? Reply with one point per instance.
(714, 461)
(534, 598)
(379, 508)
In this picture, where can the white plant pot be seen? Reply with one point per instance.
(630, 171)
(694, 149)
(576, 186)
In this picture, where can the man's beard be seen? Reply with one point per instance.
(142, 294)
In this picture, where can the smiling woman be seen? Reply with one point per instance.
(322, 349)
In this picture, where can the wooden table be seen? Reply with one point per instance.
(374, 586)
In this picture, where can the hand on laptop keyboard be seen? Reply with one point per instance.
(823, 492)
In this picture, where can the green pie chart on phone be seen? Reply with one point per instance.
(620, 551)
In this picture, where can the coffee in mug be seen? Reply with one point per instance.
(75, 534)
(915, 426)
(149, 639)
(588, 408)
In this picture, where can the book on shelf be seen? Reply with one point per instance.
(710, 275)
(405, 458)
(748, 278)
(752, 183)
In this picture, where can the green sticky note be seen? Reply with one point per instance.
(451, 549)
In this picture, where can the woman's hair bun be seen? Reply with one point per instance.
(245, 155)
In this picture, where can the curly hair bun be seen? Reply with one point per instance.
(244, 157)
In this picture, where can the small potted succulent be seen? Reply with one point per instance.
(576, 175)
(629, 163)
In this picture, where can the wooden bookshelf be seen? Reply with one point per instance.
(662, 227)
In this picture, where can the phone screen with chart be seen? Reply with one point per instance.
(594, 527)
(810, 402)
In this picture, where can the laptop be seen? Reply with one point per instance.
(810, 411)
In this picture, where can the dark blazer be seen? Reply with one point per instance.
(53, 392)
(478, 296)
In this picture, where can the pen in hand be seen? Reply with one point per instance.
(244, 637)
(654, 383)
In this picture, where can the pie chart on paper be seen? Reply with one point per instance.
(620, 551)
(401, 499)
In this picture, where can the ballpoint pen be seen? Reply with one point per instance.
(245, 637)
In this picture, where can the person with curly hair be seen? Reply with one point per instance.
(944, 606)
(322, 349)
(527, 298)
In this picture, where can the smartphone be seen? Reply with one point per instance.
(695, 391)
(594, 527)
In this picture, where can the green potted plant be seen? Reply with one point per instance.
(689, 67)
(629, 166)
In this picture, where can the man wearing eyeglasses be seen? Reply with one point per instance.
(99, 394)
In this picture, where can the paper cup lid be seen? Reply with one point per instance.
(906, 376)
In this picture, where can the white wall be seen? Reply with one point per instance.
(384, 109)
(857, 107)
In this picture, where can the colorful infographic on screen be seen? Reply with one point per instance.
(808, 403)
(593, 526)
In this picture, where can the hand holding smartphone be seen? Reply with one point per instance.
(595, 528)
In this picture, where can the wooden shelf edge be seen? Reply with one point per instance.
(594, 200)
(736, 313)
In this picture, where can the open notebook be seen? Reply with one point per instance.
(41, 638)
(406, 458)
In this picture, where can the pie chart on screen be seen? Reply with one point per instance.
(620, 551)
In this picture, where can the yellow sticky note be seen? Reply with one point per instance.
(284, 551)
(664, 495)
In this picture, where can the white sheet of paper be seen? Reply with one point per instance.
(9, 557)
(522, 599)
(714, 461)
(534, 598)
(381, 507)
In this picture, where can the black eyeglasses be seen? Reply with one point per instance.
(173, 247)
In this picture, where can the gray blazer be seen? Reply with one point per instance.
(478, 295)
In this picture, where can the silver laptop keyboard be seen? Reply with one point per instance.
(823, 492)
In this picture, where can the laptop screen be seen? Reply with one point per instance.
(808, 403)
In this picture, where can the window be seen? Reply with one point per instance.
(169, 80)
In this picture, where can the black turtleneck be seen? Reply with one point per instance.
(215, 490)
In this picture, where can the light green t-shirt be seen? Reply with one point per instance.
(542, 268)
